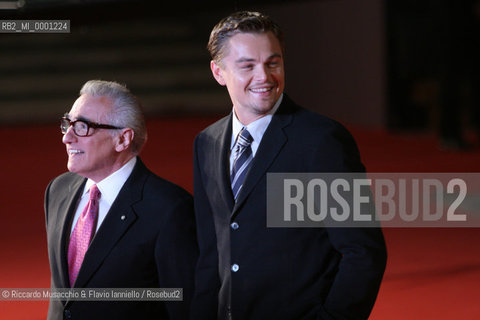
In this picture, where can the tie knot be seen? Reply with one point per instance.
(94, 192)
(244, 138)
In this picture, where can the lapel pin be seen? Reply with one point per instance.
(123, 217)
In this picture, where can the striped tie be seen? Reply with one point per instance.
(242, 159)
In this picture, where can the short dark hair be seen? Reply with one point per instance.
(238, 22)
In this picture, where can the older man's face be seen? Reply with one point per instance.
(93, 156)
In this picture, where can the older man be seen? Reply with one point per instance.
(246, 270)
(111, 222)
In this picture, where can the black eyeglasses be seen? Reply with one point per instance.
(82, 127)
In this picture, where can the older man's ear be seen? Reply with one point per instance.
(124, 139)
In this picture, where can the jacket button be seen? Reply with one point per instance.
(235, 267)
(68, 314)
(234, 226)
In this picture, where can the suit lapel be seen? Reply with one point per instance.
(117, 221)
(73, 194)
(221, 158)
(271, 144)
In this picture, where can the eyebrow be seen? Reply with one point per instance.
(241, 60)
(67, 115)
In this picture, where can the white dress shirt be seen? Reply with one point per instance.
(256, 128)
(109, 188)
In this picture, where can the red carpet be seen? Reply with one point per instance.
(431, 273)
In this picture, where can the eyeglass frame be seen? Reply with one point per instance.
(89, 124)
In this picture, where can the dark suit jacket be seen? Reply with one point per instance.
(284, 273)
(152, 246)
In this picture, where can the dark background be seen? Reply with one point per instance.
(334, 60)
(399, 65)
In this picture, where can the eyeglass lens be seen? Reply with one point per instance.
(80, 128)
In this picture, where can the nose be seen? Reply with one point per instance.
(69, 136)
(262, 73)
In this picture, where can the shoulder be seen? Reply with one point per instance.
(215, 130)
(158, 189)
(60, 189)
(65, 181)
(150, 194)
(166, 189)
(324, 137)
(309, 123)
(161, 201)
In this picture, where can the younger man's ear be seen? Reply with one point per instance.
(217, 72)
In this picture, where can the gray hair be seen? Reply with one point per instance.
(127, 110)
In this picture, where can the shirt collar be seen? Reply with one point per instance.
(256, 128)
(111, 185)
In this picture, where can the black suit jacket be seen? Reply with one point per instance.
(284, 273)
(152, 246)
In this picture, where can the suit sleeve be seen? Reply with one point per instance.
(207, 282)
(360, 272)
(363, 251)
(176, 254)
(45, 203)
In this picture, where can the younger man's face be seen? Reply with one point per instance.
(253, 72)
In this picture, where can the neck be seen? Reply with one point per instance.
(119, 163)
(246, 119)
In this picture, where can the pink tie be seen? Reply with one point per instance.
(82, 234)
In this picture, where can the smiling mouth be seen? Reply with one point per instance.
(74, 152)
(261, 90)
